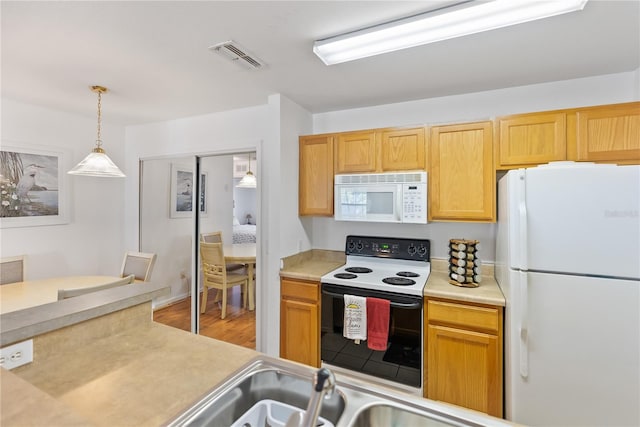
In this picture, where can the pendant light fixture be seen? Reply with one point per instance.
(97, 163)
(249, 180)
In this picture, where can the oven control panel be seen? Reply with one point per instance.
(389, 247)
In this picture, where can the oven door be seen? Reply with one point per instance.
(376, 203)
(402, 360)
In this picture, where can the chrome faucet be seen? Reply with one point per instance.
(324, 383)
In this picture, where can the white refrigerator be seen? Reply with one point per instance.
(568, 263)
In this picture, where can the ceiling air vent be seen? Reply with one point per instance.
(238, 54)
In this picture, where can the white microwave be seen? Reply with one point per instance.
(381, 197)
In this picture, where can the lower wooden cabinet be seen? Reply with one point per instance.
(463, 355)
(300, 321)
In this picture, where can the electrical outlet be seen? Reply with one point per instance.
(16, 355)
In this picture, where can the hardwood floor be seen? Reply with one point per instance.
(238, 327)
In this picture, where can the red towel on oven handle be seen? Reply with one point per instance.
(377, 323)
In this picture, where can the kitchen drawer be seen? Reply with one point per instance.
(298, 289)
(463, 315)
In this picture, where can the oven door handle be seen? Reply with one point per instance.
(410, 306)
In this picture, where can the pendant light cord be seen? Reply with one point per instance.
(99, 140)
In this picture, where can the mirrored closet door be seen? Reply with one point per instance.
(226, 204)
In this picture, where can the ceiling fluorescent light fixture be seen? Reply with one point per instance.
(455, 21)
(97, 163)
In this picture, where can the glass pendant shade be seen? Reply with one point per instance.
(248, 181)
(97, 163)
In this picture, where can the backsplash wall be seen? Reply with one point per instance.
(438, 232)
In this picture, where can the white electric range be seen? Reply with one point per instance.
(384, 265)
(389, 268)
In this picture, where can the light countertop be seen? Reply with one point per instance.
(488, 291)
(312, 265)
(142, 375)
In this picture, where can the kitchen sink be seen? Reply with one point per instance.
(268, 384)
(261, 380)
(388, 415)
(271, 413)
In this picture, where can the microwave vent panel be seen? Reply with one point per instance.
(381, 178)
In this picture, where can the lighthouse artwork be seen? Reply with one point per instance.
(28, 184)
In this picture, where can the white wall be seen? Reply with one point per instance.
(330, 234)
(92, 242)
(295, 233)
(281, 227)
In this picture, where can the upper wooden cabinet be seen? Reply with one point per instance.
(530, 139)
(607, 133)
(461, 174)
(381, 150)
(402, 149)
(355, 152)
(315, 191)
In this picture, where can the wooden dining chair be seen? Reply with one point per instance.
(217, 277)
(70, 293)
(12, 269)
(216, 237)
(140, 264)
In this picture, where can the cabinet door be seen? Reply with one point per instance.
(402, 149)
(609, 133)
(316, 176)
(461, 175)
(464, 369)
(530, 139)
(356, 152)
(299, 332)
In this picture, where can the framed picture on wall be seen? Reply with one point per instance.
(182, 192)
(33, 183)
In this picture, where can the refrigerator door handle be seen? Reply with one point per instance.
(524, 327)
(522, 225)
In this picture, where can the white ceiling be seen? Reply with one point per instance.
(153, 56)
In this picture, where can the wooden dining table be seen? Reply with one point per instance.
(31, 293)
(243, 253)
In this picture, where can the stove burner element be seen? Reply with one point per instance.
(408, 274)
(398, 281)
(345, 276)
(358, 270)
